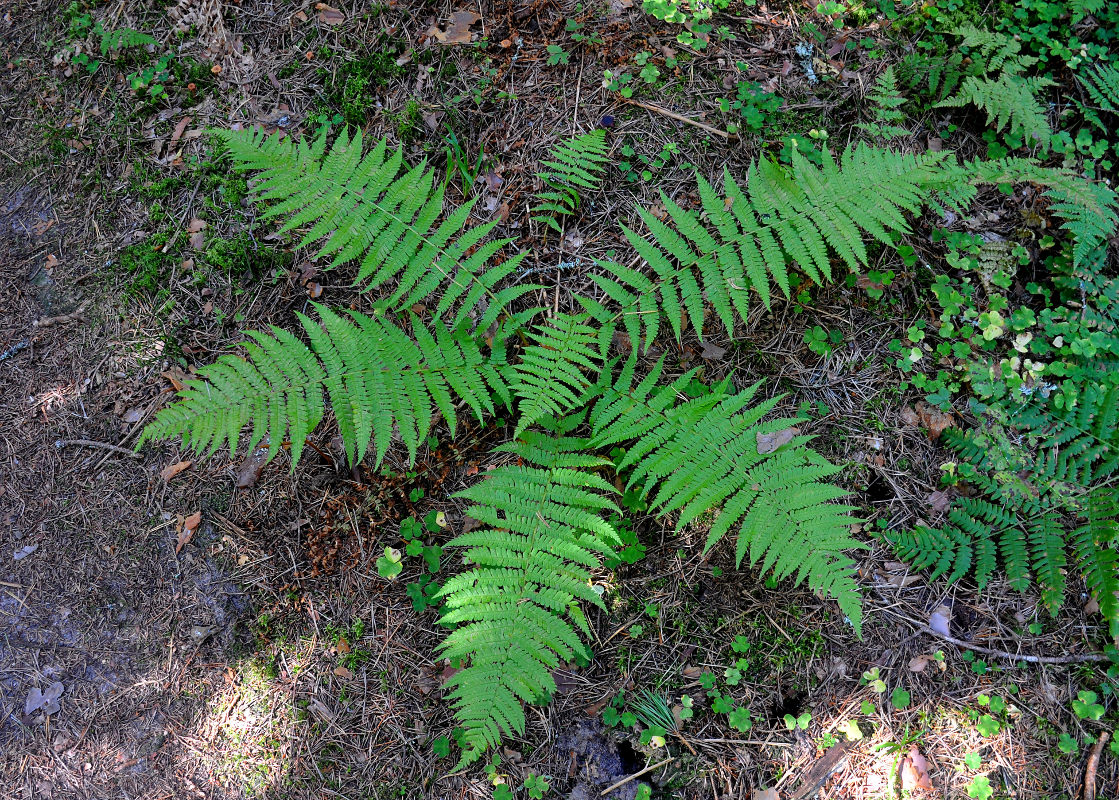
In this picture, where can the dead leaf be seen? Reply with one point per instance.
(909, 416)
(940, 620)
(915, 771)
(712, 352)
(939, 501)
(935, 420)
(343, 646)
(196, 230)
(190, 525)
(24, 552)
(342, 672)
(170, 471)
(178, 132)
(249, 471)
(897, 574)
(765, 794)
(329, 15)
(458, 29)
(134, 415)
(919, 663)
(769, 442)
(46, 700)
(176, 376)
(314, 290)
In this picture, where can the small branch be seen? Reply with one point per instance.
(124, 451)
(1079, 658)
(1093, 763)
(680, 118)
(46, 322)
(624, 781)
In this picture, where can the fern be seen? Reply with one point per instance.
(1102, 86)
(1024, 523)
(374, 375)
(518, 603)
(886, 100)
(750, 236)
(551, 378)
(365, 209)
(703, 455)
(122, 39)
(574, 167)
(1010, 102)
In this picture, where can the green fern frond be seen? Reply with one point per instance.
(574, 167)
(992, 51)
(1026, 495)
(375, 377)
(886, 99)
(700, 456)
(749, 236)
(517, 607)
(362, 208)
(1094, 546)
(1010, 101)
(1102, 86)
(552, 377)
(122, 39)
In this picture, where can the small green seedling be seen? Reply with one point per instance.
(980, 788)
(792, 723)
(900, 698)
(1085, 705)
(537, 786)
(388, 565)
(1066, 744)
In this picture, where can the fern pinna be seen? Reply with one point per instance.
(705, 455)
(375, 376)
(517, 606)
(748, 237)
(573, 167)
(392, 224)
(1035, 501)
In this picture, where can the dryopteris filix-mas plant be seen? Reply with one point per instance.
(710, 461)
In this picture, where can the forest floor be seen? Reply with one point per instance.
(220, 631)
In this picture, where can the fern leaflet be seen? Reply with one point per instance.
(886, 100)
(363, 208)
(703, 455)
(374, 376)
(552, 376)
(122, 39)
(1010, 102)
(800, 215)
(574, 167)
(518, 604)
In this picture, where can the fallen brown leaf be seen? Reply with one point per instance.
(768, 442)
(342, 672)
(196, 230)
(190, 525)
(458, 29)
(915, 771)
(935, 420)
(170, 471)
(329, 15)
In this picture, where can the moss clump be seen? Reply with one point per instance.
(353, 89)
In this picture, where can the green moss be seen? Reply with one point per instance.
(353, 89)
(146, 265)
